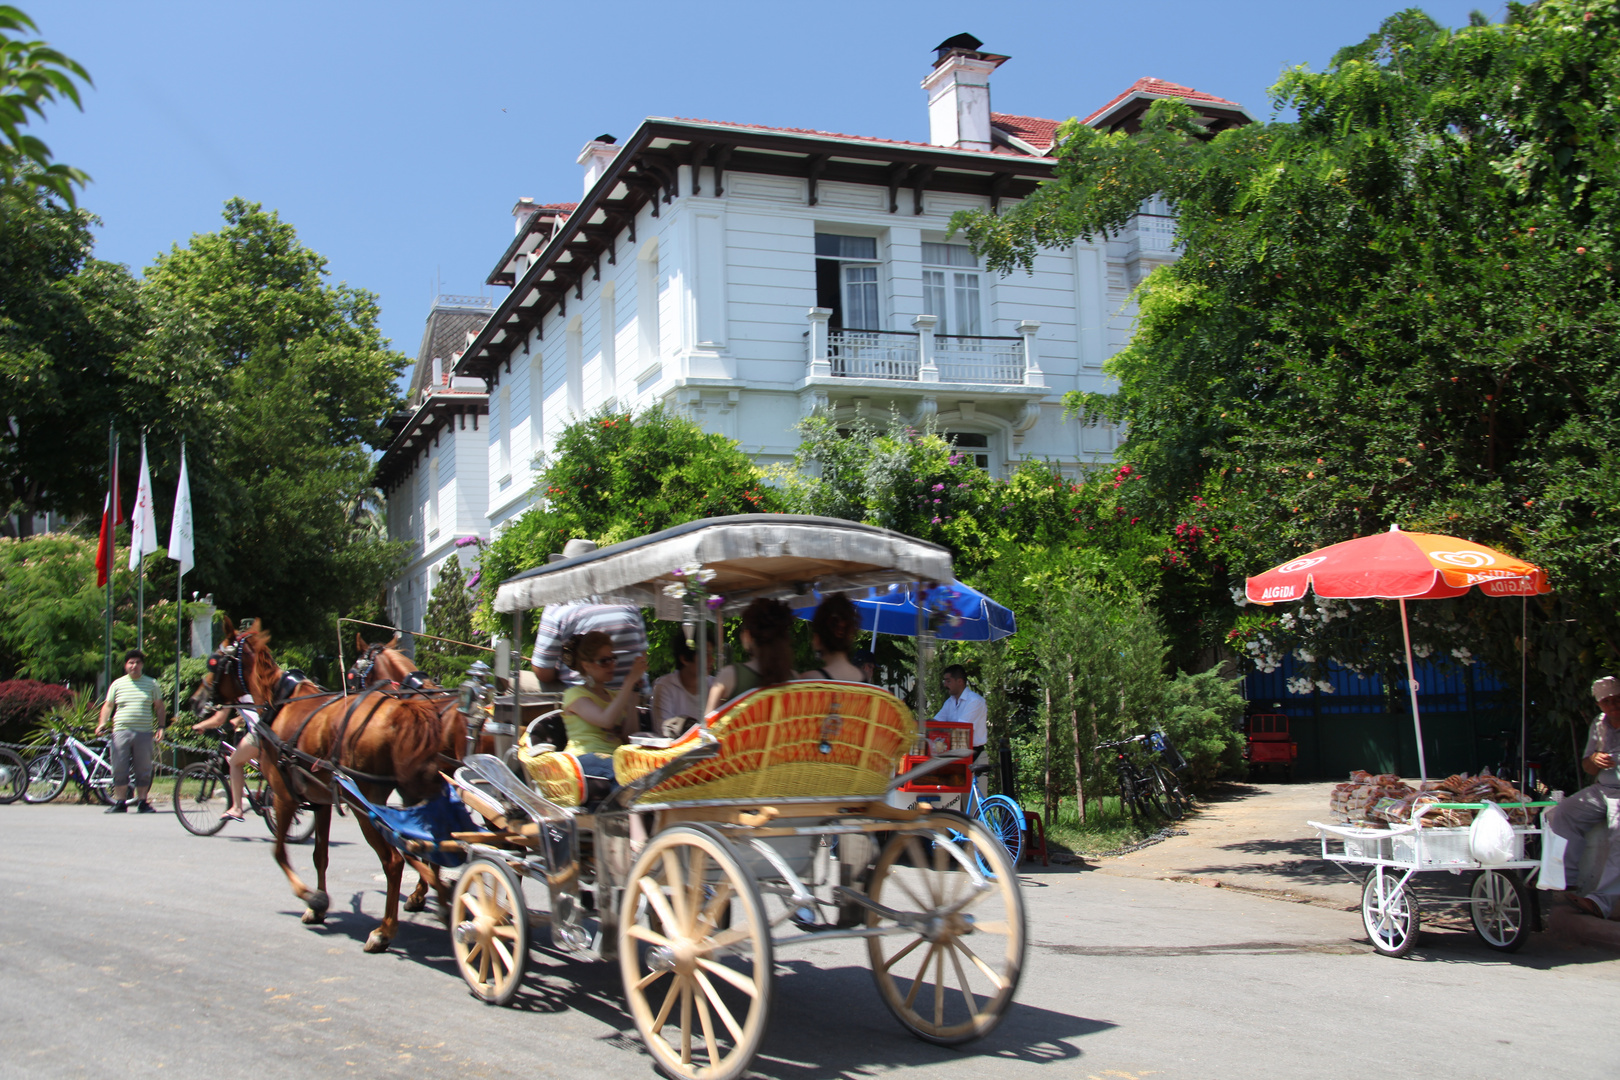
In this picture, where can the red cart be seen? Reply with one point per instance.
(1270, 743)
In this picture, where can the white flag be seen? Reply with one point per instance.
(142, 525)
(180, 534)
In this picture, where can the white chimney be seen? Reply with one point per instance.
(522, 212)
(959, 94)
(596, 157)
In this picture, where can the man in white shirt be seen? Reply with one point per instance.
(965, 706)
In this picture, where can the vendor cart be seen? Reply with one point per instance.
(1501, 900)
(765, 827)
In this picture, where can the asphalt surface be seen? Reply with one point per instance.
(129, 947)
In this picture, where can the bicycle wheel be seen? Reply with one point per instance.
(1390, 913)
(302, 826)
(1500, 908)
(47, 776)
(201, 795)
(13, 777)
(1164, 786)
(1001, 816)
(1147, 796)
(100, 784)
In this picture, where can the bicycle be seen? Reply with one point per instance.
(998, 813)
(13, 777)
(64, 757)
(1138, 788)
(1164, 772)
(202, 794)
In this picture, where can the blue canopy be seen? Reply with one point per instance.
(962, 613)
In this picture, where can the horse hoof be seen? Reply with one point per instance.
(416, 903)
(313, 917)
(376, 942)
(318, 902)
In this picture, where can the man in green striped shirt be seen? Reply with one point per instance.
(136, 706)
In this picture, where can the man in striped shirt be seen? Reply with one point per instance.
(560, 622)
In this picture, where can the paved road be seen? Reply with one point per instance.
(130, 948)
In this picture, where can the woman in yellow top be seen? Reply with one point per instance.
(598, 722)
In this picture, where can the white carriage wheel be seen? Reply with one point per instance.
(969, 930)
(693, 934)
(489, 930)
(1500, 909)
(1390, 913)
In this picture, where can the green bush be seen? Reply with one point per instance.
(1201, 717)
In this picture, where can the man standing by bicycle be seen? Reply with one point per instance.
(965, 706)
(136, 706)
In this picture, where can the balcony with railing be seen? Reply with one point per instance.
(922, 356)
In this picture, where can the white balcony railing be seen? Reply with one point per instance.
(923, 356)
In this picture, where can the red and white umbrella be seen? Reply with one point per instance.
(1400, 566)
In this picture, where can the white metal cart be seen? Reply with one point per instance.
(1501, 898)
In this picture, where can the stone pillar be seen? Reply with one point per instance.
(819, 366)
(1033, 375)
(927, 370)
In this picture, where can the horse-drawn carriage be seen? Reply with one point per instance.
(767, 826)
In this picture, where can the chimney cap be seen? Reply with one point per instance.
(965, 45)
(960, 41)
(609, 139)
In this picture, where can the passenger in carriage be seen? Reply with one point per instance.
(832, 631)
(598, 720)
(677, 699)
(767, 634)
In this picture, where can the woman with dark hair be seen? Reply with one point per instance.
(598, 721)
(767, 634)
(677, 698)
(832, 631)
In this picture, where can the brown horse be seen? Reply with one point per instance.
(384, 742)
(383, 664)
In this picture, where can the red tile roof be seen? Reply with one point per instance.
(1151, 87)
(567, 207)
(841, 135)
(1038, 132)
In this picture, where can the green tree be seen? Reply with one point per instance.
(615, 476)
(292, 384)
(32, 75)
(1399, 308)
(449, 615)
(70, 329)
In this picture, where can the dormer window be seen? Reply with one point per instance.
(951, 288)
(847, 281)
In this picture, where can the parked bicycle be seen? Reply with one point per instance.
(68, 758)
(1001, 815)
(1169, 763)
(1147, 789)
(202, 794)
(13, 777)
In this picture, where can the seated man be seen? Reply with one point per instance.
(1598, 804)
(963, 705)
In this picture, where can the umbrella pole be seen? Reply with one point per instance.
(1524, 692)
(1411, 686)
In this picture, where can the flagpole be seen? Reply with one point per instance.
(112, 485)
(179, 599)
(139, 557)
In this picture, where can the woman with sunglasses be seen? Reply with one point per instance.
(597, 720)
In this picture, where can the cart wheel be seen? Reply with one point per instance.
(1500, 909)
(1390, 914)
(693, 913)
(972, 924)
(489, 930)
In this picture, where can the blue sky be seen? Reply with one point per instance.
(396, 136)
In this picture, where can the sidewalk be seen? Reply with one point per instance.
(1254, 838)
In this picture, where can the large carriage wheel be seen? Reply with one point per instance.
(952, 977)
(489, 930)
(695, 949)
(1390, 913)
(1500, 909)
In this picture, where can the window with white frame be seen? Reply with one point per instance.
(503, 446)
(847, 281)
(951, 288)
(972, 446)
(433, 498)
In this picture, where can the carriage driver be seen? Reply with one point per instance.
(136, 706)
(560, 623)
(1598, 804)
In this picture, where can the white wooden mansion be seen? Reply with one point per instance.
(749, 275)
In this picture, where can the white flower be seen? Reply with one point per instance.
(1463, 655)
(1299, 685)
(1422, 651)
(1239, 597)
(1304, 657)
(675, 589)
(705, 576)
(1253, 646)
(1287, 621)
(1324, 686)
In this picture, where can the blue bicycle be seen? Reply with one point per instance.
(998, 813)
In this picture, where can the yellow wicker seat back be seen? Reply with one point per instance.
(556, 775)
(833, 739)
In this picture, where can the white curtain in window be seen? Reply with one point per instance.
(934, 302)
(861, 297)
(967, 303)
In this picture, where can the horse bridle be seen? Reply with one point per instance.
(355, 678)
